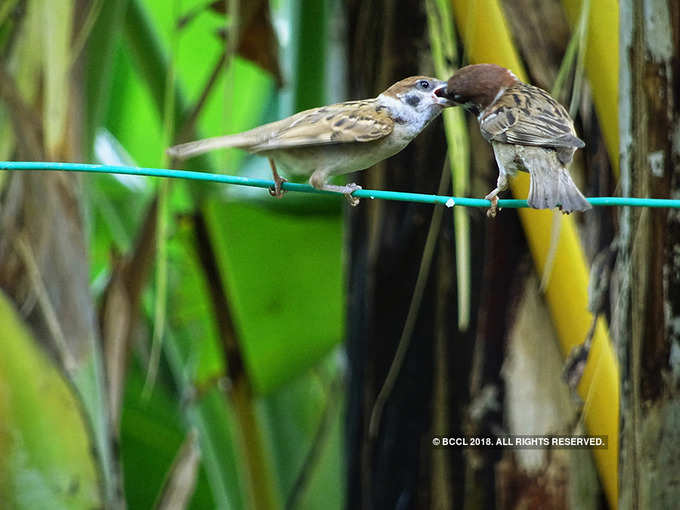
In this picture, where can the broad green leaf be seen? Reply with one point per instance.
(47, 459)
(284, 277)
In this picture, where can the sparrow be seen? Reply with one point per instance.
(337, 139)
(528, 131)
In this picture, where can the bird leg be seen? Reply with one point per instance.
(501, 185)
(277, 191)
(318, 180)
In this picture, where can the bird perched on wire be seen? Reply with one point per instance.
(339, 138)
(528, 131)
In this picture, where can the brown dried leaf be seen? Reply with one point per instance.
(219, 6)
(120, 308)
(181, 480)
(257, 40)
(258, 43)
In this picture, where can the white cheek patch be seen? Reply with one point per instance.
(498, 96)
(409, 120)
(397, 107)
(488, 118)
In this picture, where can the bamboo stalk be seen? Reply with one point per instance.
(444, 54)
(602, 66)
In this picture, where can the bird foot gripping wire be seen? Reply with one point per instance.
(276, 190)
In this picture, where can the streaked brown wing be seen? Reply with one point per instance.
(527, 115)
(352, 121)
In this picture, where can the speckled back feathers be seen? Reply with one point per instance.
(351, 121)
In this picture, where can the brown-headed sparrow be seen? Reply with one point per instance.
(528, 131)
(339, 138)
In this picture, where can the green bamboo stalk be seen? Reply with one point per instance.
(443, 43)
(310, 21)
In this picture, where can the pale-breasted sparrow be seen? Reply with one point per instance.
(339, 138)
(528, 130)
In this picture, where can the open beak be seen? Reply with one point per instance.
(441, 96)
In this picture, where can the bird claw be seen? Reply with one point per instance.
(493, 210)
(349, 189)
(277, 190)
(346, 190)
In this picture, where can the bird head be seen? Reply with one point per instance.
(475, 87)
(419, 93)
(413, 102)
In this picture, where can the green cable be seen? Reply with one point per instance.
(305, 188)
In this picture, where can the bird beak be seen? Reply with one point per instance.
(441, 96)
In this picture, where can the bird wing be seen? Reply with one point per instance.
(527, 115)
(352, 121)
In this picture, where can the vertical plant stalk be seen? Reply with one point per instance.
(258, 475)
(86, 29)
(100, 47)
(161, 294)
(602, 65)
(58, 20)
(310, 54)
(232, 28)
(189, 125)
(575, 54)
(444, 54)
(27, 256)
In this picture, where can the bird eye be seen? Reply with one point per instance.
(423, 84)
(459, 98)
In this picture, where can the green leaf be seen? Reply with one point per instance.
(151, 432)
(284, 277)
(47, 459)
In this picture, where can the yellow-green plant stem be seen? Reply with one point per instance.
(443, 43)
(602, 66)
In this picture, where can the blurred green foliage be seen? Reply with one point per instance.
(281, 262)
(44, 439)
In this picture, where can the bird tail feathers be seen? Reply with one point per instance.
(187, 150)
(547, 192)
